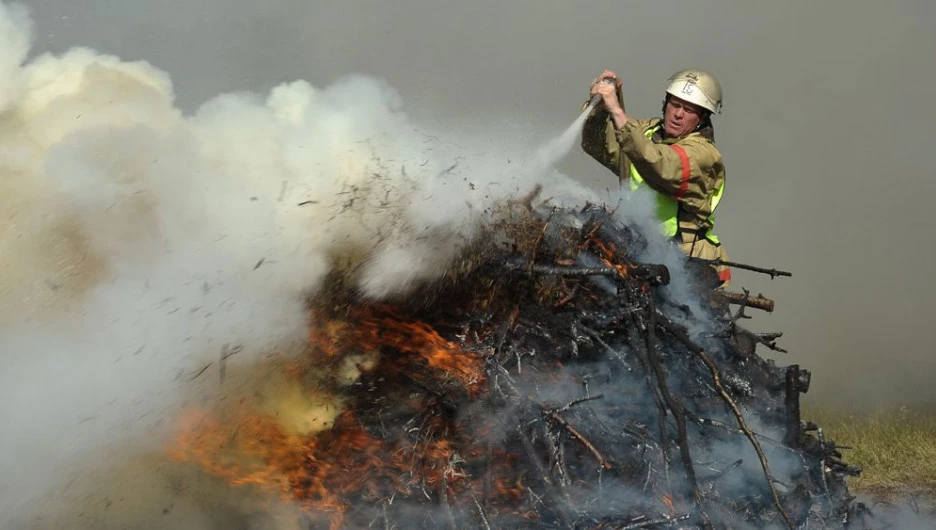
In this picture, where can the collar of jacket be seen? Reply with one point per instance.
(707, 131)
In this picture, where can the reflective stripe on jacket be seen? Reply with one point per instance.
(667, 209)
(687, 170)
(687, 173)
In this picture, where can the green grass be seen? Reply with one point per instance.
(896, 449)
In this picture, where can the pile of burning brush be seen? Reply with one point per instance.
(548, 381)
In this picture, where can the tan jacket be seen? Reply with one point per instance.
(688, 169)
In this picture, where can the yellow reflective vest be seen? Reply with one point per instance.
(667, 208)
(687, 173)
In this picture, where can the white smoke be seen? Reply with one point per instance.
(139, 242)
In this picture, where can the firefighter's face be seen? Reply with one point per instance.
(680, 117)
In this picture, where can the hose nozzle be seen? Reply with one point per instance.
(597, 97)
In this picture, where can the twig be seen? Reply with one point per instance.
(679, 414)
(557, 456)
(565, 271)
(822, 471)
(527, 200)
(555, 489)
(743, 305)
(773, 273)
(597, 337)
(702, 422)
(226, 352)
(642, 357)
(716, 379)
(719, 473)
(554, 415)
(591, 232)
(443, 496)
(447, 170)
(198, 374)
(568, 298)
(539, 238)
(484, 519)
(665, 521)
(384, 516)
(534, 457)
(579, 400)
(767, 339)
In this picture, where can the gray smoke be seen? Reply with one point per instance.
(141, 242)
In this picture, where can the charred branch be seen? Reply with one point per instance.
(556, 417)
(773, 273)
(653, 274)
(565, 271)
(681, 335)
(679, 413)
(663, 522)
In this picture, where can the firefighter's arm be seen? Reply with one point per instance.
(668, 169)
(599, 141)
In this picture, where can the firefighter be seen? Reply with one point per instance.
(674, 156)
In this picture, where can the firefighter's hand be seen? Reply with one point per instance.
(607, 85)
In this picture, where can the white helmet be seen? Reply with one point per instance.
(698, 87)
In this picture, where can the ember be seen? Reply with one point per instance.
(546, 382)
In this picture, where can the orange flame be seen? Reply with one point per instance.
(668, 501)
(372, 327)
(606, 252)
(327, 470)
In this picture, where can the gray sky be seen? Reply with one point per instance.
(824, 133)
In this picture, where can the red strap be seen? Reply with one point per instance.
(724, 275)
(686, 171)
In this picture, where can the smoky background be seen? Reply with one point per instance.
(825, 131)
